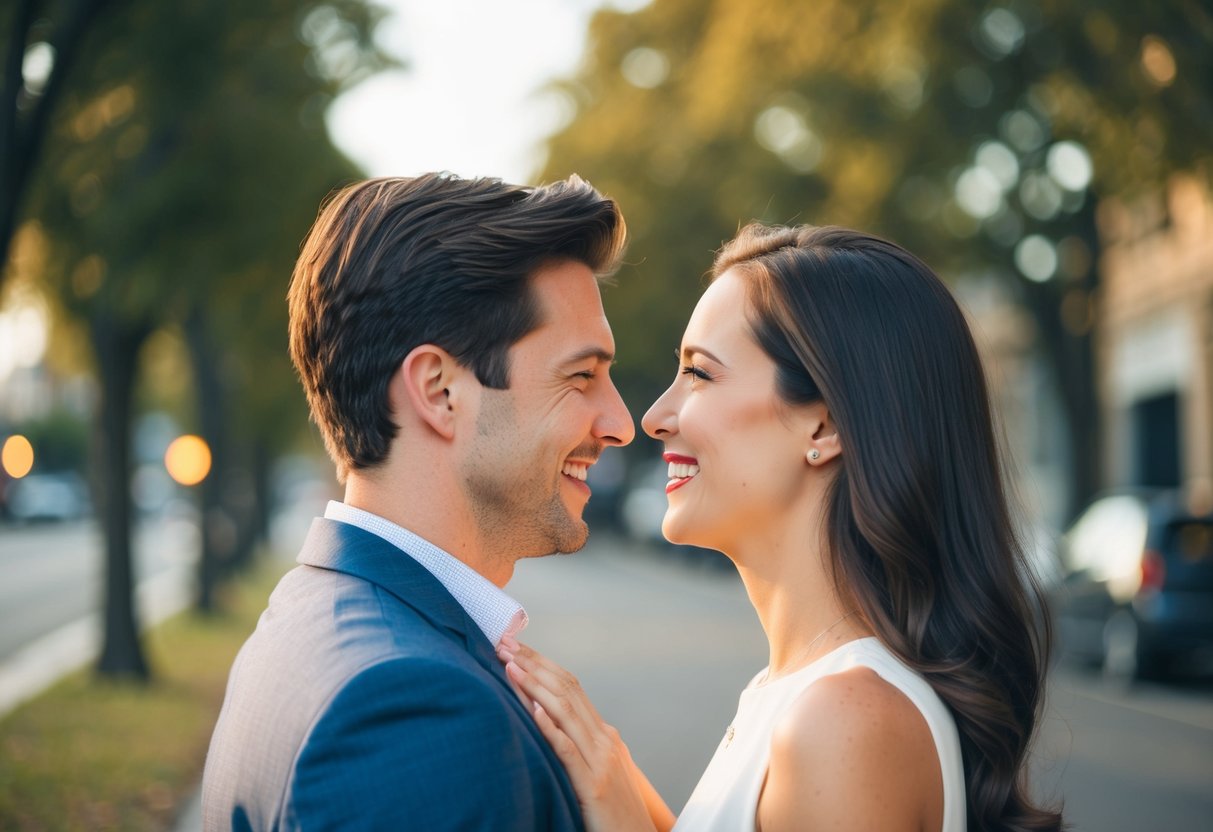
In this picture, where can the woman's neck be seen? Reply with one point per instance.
(789, 585)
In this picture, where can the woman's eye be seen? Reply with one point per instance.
(692, 370)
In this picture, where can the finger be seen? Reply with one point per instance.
(566, 751)
(561, 708)
(552, 676)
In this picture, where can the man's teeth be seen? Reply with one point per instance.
(575, 470)
(680, 470)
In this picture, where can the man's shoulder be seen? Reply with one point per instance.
(325, 627)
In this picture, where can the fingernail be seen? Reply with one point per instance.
(512, 667)
(505, 655)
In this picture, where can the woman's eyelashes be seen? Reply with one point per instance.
(695, 372)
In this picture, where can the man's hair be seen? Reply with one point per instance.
(394, 263)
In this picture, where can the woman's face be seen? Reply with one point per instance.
(736, 451)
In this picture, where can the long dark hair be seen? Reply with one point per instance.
(919, 531)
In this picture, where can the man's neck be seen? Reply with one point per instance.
(429, 510)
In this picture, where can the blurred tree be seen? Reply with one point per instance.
(979, 135)
(60, 440)
(39, 50)
(179, 175)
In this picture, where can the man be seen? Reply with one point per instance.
(451, 340)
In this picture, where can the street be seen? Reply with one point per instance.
(53, 573)
(663, 647)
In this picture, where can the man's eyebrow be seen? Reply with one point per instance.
(589, 352)
(688, 351)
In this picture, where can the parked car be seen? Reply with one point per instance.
(48, 497)
(1137, 589)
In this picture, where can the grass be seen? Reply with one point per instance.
(95, 754)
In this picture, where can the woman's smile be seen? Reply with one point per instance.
(682, 470)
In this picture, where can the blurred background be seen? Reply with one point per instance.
(161, 162)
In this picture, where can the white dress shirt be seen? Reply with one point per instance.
(495, 612)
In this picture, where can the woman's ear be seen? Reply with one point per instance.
(823, 444)
(422, 386)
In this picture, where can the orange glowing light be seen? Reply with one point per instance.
(1157, 60)
(188, 459)
(17, 457)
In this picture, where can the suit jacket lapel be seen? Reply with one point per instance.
(341, 547)
(344, 548)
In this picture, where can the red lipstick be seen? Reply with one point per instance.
(678, 459)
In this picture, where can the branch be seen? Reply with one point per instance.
(14, 58)
(24, 138)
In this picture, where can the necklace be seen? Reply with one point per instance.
(729, 732)
(808, 651)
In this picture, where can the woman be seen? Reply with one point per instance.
(830, 431)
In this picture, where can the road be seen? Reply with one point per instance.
(663, 648)
(52, 573)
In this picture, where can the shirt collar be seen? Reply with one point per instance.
(495, 612)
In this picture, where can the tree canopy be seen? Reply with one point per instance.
(979, 135)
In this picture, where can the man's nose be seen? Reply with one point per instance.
(615, 425)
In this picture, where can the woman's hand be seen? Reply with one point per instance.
(614, 795)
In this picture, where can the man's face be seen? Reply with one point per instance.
(526, 465)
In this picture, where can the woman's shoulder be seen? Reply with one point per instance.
(851, 743)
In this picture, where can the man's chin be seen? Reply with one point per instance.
(572, 538)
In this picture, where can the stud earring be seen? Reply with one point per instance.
(814, 455)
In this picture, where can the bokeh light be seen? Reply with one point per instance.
(17, 456)
(645, 68)
(1001, 161)
(979, 192)
(1036, 258)
(188, 459)
(784, 131)
(1070, 165)
(1157, 60)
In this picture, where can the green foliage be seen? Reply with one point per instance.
(60, 440)
(92, 754)
(185, 164)
(700, 115)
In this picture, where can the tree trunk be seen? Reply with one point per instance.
(1067, 329)
(25, 120)
(261, 489)
(218, 534)
(117, 349)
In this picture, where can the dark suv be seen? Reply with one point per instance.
(1138, 589)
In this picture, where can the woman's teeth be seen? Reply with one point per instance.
(576, 471)
(680, 470)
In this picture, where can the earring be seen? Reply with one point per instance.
(814, 455)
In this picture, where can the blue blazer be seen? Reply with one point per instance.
(368, 699)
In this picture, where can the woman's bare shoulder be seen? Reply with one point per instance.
(852, 750)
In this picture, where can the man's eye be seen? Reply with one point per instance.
(588, 375)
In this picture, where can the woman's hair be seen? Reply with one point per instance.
(919, 533)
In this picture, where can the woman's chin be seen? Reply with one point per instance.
(678, 533)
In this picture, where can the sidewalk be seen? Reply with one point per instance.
(190, 819)
(42, 662)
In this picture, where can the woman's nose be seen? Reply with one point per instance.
(659, 422)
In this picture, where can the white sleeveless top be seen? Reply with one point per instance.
(726, 798)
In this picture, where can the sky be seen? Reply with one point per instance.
(470, 99)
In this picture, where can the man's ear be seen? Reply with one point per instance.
(422, 385)
(822, 444)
